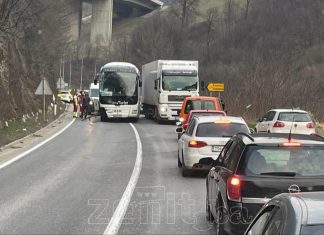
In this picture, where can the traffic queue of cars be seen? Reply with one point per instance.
(268, 182)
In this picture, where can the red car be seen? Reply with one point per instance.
(193, 113)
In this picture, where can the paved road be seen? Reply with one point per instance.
(73, 184)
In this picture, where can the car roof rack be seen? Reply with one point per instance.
(246, 135)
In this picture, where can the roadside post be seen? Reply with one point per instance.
(215, 87)
(55, 105)
(44, 89)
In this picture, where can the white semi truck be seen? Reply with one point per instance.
(165, 84)
(119, 84)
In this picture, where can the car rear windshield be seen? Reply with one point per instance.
(283, 161)
(208, 114)
(220, 130)
(199, 104)
(312, 229)
(294, 116)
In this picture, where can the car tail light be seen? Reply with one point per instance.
(279, 124)
(310, 125)
(234, 188)
(185, 125)
(291, 144)
(196, 144)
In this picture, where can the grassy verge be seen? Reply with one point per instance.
(18, 129)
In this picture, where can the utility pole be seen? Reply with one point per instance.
(81, 74)
(60, 73)
(70, 78)
(63, 72)
(44, 100)
(95, 70)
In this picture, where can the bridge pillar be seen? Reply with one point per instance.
(101, 22)
(74, 15)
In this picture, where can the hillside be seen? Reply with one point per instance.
(28, 51)
(266, 57)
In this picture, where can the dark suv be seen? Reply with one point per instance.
(250, 170)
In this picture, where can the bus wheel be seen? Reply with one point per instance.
(134, 120)
(103, 116)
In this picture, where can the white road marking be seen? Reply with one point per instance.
(121, 209)
(7, 163)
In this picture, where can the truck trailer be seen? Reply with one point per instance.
(165, 84)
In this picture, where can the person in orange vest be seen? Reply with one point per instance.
(80, 100)
(75, 104)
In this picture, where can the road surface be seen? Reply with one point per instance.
(73, 184)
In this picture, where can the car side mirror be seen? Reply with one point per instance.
(216, 163)
(179, 130)
(155, 84)
(202, 85)
(251, 130)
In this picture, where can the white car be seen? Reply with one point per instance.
(204, 139)
(286, 120)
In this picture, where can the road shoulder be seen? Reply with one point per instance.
(22, 145)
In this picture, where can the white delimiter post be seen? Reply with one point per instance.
(101, 22)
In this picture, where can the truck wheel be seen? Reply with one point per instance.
(157, 116)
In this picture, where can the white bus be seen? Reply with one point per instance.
(119, 84)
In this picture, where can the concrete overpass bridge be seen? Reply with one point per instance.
(102, 16)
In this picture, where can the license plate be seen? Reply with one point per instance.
(216, 148)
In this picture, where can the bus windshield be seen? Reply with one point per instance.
(118, 84)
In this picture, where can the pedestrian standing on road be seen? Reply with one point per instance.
(75, 104)
(80, 100)
(85, 105)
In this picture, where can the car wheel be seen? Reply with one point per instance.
(185, 171)
(179, 162)
(209, 216)
(219, 220)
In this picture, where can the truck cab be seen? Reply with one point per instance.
(166, 83)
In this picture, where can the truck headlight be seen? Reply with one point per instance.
(163, 109)
(91, 103)
(181, 119)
